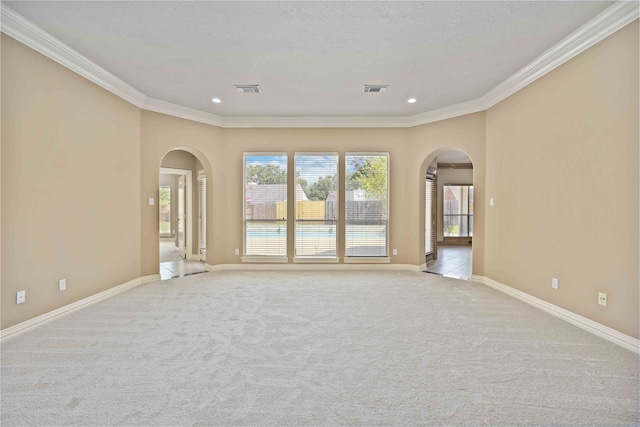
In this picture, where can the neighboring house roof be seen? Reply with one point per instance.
(270, 193)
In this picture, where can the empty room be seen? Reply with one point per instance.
(324, 213)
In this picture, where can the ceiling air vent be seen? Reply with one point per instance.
(248, 88)
(374, 88)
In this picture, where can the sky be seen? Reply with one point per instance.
(311, 167)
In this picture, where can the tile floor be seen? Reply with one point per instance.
(171, 269)
(453, 261)
(173, 265)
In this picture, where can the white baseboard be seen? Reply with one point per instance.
(609, 334)
(23, 327)
(314, 266)
(588, 325)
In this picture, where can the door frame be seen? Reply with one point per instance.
(188, 174)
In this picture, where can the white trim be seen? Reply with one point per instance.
(315, 260)
(588, 325)
(175, 110)
(449, 112)
(26, 326)
(317, 122)
(16, 26)
(366, 260)
(312, 266)
(597, 29)
(265, 259)
(603, 25)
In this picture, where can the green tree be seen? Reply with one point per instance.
(266, 174)
(322, 187)
(165, 196)
(370, 174)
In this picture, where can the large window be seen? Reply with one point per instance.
(316, 205)
(458, 210)
(265, 211)
(366, 204)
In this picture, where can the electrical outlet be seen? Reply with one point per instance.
(62, 284)
(395, 252)
(554, 283)
(602, 298)
(237, 251)
(21, 296)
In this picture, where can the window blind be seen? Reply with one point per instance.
(366, 204)
(265, 210)
(202, 213)
(316, 206)
(429, 232)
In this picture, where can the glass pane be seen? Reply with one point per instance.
(452, 225)
(165, 210)
(316, 205)
(265, 212)
(458, 210)
(366, 207)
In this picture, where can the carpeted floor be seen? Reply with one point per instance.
(315, 348)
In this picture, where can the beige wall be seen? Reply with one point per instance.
(159, 135)
(223, 150)
(466, 133)
(558, 156)
(562, 165)
(70, 185)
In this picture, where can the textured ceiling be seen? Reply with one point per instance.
(311, 58)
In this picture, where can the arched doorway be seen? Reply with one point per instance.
(448, 213)
(182, 214)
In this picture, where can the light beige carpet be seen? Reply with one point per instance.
(315, 348)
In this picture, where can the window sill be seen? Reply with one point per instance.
(315, 260)
(265, 259)
(367, 260)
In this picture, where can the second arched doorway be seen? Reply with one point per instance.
(182, 215)
(448, 214)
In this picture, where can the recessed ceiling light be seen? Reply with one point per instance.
(216, 100)
(411, 100)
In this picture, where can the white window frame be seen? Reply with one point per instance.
(350, 259)
(316, 258)
(260, 258)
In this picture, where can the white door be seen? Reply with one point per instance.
(181, 235)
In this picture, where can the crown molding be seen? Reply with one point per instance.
(16, 26)
(159, 106)
(316, 122)
(445, 113)
(597, 29)
(606, 23)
